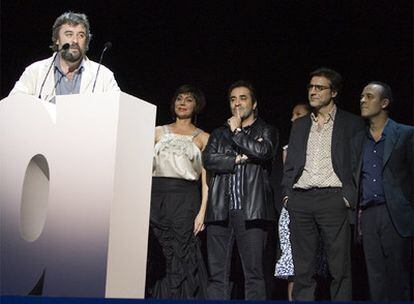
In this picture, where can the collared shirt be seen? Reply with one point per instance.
(236, 187)
(64, 85)
(371, 172)
(318, 171)
(236, 180)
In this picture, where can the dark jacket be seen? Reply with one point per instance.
(219, 160)
(346, 125)
(397, 173)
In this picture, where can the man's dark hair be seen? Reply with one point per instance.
(386, 92)
(333, 76)
(197, 94)
(70, 18)
(245, 84)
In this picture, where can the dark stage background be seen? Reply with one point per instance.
(158, 45)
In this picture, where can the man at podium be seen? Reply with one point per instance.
(68, 71)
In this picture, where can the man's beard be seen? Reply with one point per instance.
(70, 57)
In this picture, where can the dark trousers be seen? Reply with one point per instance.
(250, 237)
(387, 256)
(313, 212)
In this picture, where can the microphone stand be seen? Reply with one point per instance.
(107, 45)
(64, 47)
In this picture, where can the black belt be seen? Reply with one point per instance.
(314, 189)
(370, 205)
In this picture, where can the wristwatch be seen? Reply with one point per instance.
(237, 130)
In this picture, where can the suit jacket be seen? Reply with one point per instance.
(31, 80)
(346, 125)
(397, 173)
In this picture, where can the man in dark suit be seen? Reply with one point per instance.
(383, 169)
(318, 187)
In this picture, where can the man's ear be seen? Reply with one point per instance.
(385, 103)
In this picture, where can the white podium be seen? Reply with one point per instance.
(75, 183)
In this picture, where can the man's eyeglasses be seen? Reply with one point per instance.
(317, 87)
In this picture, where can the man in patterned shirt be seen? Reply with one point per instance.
(318, 187)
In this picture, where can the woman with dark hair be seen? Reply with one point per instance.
(177, 210)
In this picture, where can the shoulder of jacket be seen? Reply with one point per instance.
(402, 127)
(358, 136)
(219, 130)
(263, 124)
(348, 115)
(356, 122)
(302, 121)
(90, 63)
(40, 63)
(94, 66)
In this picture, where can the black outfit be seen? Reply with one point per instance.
(245, 225)
(321, 209)
(386, 211)
(173, 210)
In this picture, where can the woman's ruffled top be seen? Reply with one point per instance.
(177, 156)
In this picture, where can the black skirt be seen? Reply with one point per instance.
(174, 205)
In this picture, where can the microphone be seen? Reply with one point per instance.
(64, 48)
(107, 46)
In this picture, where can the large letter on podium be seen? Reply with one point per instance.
(75, 182)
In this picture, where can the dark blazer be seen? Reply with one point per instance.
(397, 173)
(346, 125)
(219, 161)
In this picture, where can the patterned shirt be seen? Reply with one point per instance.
(236, 180)
(318, 171)
(236, 187)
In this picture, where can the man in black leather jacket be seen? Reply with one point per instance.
(238, 157)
